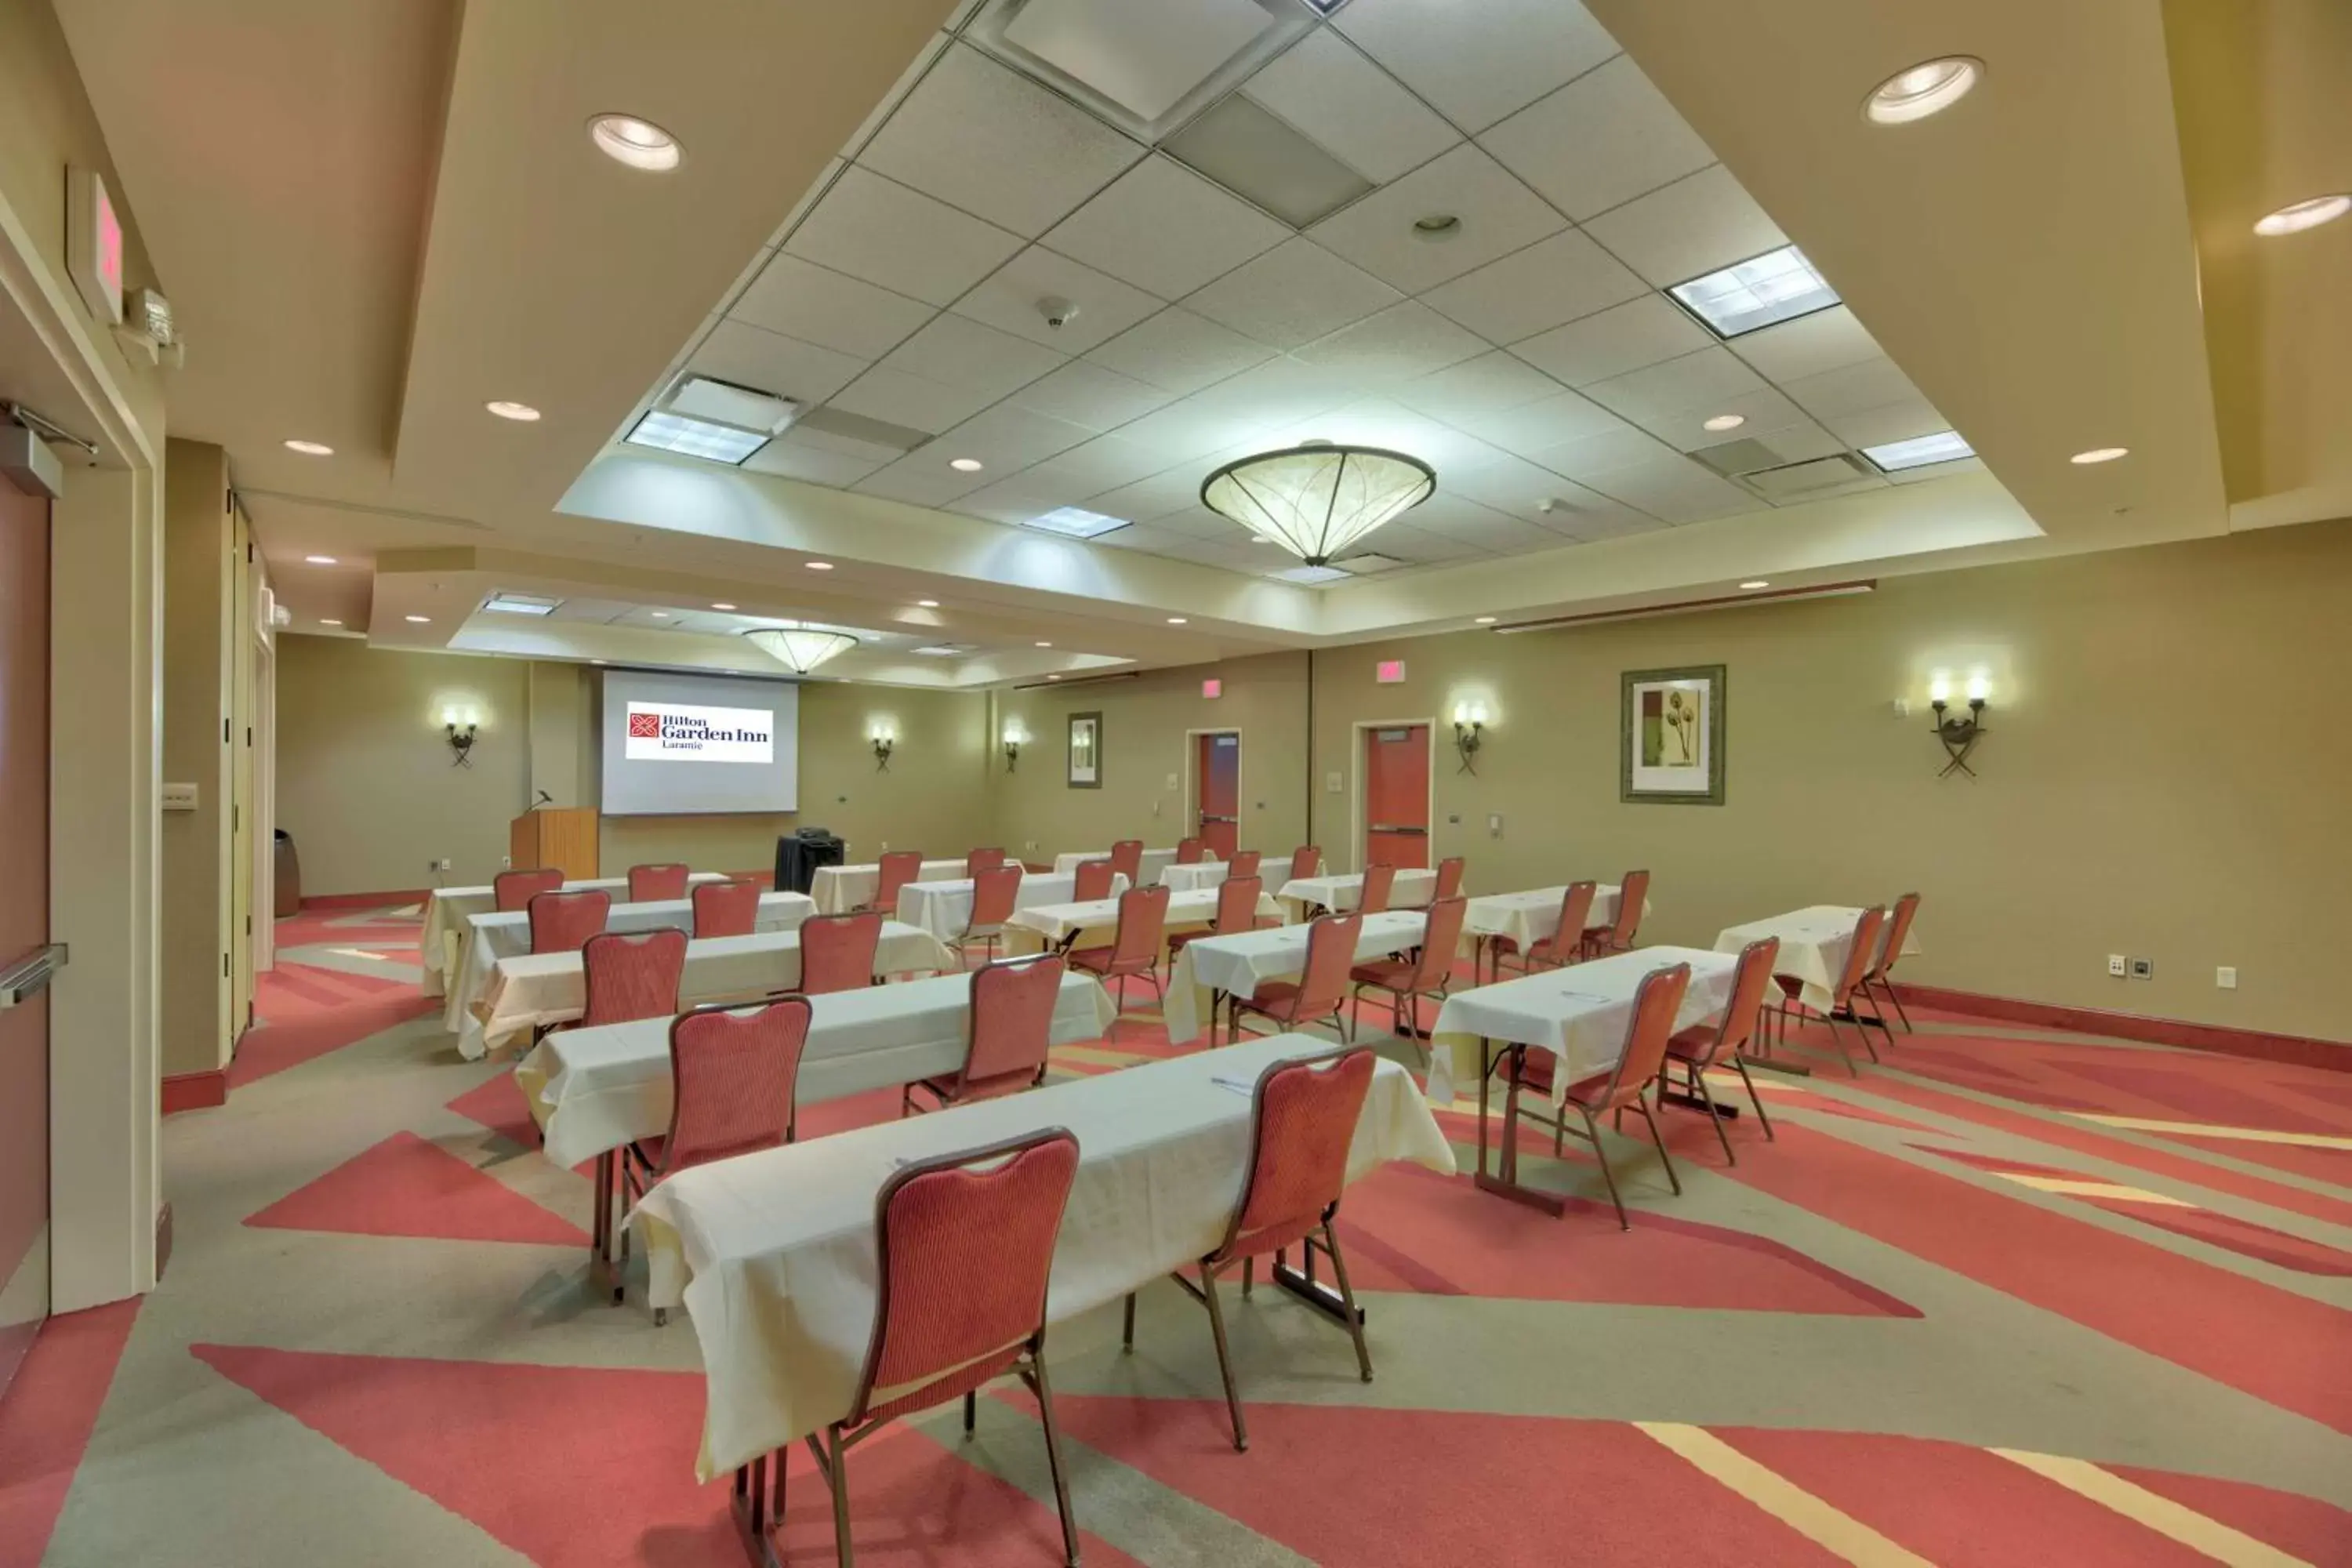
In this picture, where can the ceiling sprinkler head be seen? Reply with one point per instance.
(1058, 312)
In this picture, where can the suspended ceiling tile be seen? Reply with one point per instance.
(877, 229)
(1642, 331)
(818, 305)
(1180, 352)
(798, 460)
(1293, 294)
(1694, 226)
(1165, 229)
(1328, 92)
(754, 357)
(916, 401)
(1603, 139)
(1553, 281)
(920, 480)
(1478, 63)
(1496, 215)
(1850, 389)
(1006, 439)
(1675, 490)
(1405, 340)
(1898, 421)
(1011, 299)
(1547, 422)
(958, 352)
(1090, 394)
(1704, 380)
(1809, 345)
(1477, 388)
(1586, 457)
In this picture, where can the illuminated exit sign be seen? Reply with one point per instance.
(1212, 688)
(1389, 672)
(94, 244)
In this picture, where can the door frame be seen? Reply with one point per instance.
(1193, 776)
(1356, 783)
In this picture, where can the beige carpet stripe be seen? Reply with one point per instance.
(2208, 1130)
(1827, 1527)
(2161, 1514)
(2080, 1188)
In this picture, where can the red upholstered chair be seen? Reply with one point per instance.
(1243, 864)
(1429, 973)
(1010, 1029)
(1303, 1121)
(732, 1076)
(1321, 989)
(1237, 899)
(963, 1252)
(1379, 881)
(1617, 936)
(1564, 945)
(981, 860)
(1307, 860)
(1127, 859)
(513, 891)
(652, 884)
(1093, 881)
(1701, 1045)
(1647, 1033)
(995, 891)
(563, 923)
(725, 909)
(1449, 878)
(837, 951)
(1898, 932)
(895, 871)
(632, 974)
(1191, 851)
(1859, 958)
(1135, 945)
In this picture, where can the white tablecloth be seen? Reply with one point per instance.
(1813, 946)
(1531, 917)
(1059, 922)
(1580, 1012)
(1154, 861)
(775, 1250)
(838, 890)
(595, 1089)
(541, 988)
(490, 938)
(1412, 889)
(944, 908)
(1236, 966)
(1193, 878)
(447, 911)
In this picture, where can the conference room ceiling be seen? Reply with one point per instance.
(392, 215)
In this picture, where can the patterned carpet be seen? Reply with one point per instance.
(2014, 1296)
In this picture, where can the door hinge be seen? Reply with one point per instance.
(248, 925)
(249, 734)
(248, 554)
(224, 966)
(224, 731)
(235, 818)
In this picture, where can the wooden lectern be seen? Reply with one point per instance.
(563, 837)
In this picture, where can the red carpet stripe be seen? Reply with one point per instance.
(406, 1187)
(47, 1419)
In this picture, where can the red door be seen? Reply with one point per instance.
(1219, 768)
(24, 922)
(1396, 796)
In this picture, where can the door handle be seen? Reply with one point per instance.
(1407, 831)
(30, 975)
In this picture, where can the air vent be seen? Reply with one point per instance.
(1800, 480)
(858, 436)
(1146, 65)
(1262, 160)
(1733, 459)
(725, 402)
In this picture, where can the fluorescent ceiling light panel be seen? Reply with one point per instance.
(724, 403)
(1262, 160)
(1762, 291)
(695, 437)
(1942, 447)
(520, 605)
(1312, 576)
(1075, 523)
(947, 650)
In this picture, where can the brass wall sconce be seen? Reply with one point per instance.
(1959, 736)
(460, 725)
(885, 741)
(1015, 739)
(1470, 720)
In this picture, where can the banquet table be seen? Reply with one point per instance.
(491, 937)
(1529, 917)
(1061, 925)
(1191, 878)
(773, 1254)
(1579, 1013)
(1213, 967)
(1154, 861)
(447, 911)
(1414, 887)
(943, 908)
(838, 890)
(543, 988)
(1814, 942)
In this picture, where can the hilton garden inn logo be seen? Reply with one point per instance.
(675, 732)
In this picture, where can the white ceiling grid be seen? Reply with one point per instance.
(1530, 356)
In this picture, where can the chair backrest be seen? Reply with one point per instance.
(1307, 860)
(1094, 880)
(962, 1253)
(1656, 1003)
(1243, 864)
(562, 921)
(513, 891)
(1742, 1013)
(725, 909)
(1898, 932)
(1862, 953)
(652, 884)
(1633, 893)
(995, 891)
(732, 1074)
(1010, 1024)
(981, 860)
(1302, 1122)
(1331, 953)
(1439, 942)
(1379, 881)
(632, 974)
(1191, 851)
(1575, 909)
(1142, 928)
(1127, 859)
(897, 868)
(837, 951)
(1449, 878)
(1237, 904)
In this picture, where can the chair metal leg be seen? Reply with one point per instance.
(1897, 997)
(1224, 1358)
(1044, 1393)
(1644, 1107)
(971, 1411)
(1126, 1327)
(1699, 1085)
(1355, 1319)
(776, 1503)
(1592, 1130)
(837, 1469)
(1249, 1275)
(1755, 1100)
(1840, 1039)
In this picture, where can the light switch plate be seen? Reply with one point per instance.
(2143, 969)
(1173, 781)
(1334, 783)
(2226, 977)
(179, 797)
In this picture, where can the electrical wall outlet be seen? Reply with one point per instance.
(1028, 845)
(2118, 965)
(442, 864)
(1155, 805)
(2226, 977)
(2143, 969)
(1494, 825)
(886, 847)
(1173, 781)
(506, 862)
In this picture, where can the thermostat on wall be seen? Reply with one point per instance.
(179, 797)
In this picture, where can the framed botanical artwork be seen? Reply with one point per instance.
(1085, 751)
(1671, 750)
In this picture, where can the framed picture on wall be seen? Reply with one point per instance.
(1085, 751)
(1670, 749)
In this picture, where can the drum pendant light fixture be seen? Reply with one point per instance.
(798, 647)
(1316, 499)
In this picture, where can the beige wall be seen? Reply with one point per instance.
(198, 621)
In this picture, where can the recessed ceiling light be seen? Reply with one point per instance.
(818, 565)
(1486, 620)
(1723, 422)
(325, 622)
(2100, 454)
(1052, 677)
(639, 143)
(310, 448)
(722, 606)
(420, 620)
(926, 603)
(1176, 620)
(522, 413)
(1942, 447)
(1929, 88)
(1753, 584)
(1436, 227)
(1076, 522)
(661, 615)
(695, 437)
(2305, 214)
(596, 661)
(966, 465)
(1762, 291)
(320, 559)
(1045, 645)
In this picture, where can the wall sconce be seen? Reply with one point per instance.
(1469, 720)
(885, 740)
(460, 724)
(1959, 736)
(1015, 739)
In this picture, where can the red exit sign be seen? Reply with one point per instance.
(1212, 688)
(1389, 672)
